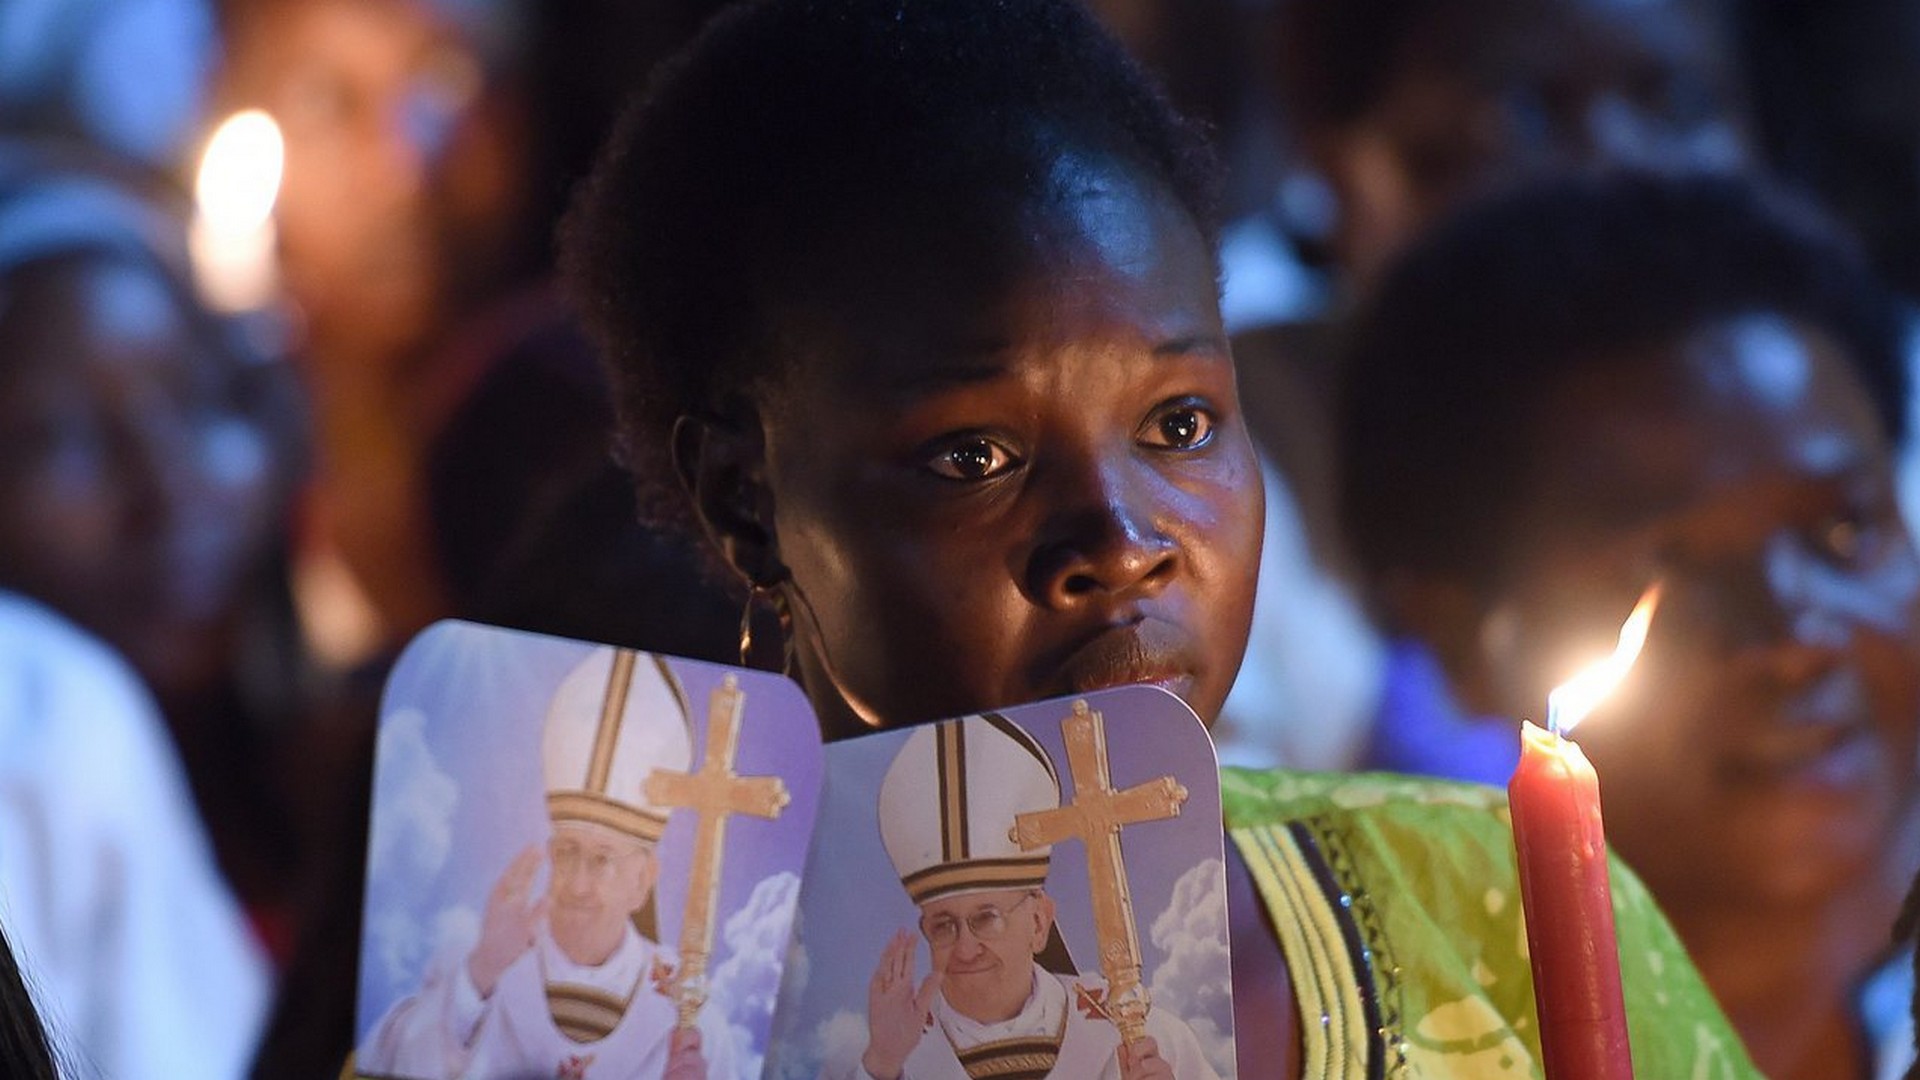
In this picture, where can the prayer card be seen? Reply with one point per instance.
(583, 863)
(1027, 893)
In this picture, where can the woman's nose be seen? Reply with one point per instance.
(1105, 541)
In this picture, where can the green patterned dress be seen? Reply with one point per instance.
(1398, 907)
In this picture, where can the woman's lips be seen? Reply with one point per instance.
(1830, 758)
(1822, 740)
(1141, 651)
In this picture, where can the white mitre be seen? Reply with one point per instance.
(948, 802)
(617, 717)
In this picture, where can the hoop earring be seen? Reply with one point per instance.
(778, 604)
(746, 624)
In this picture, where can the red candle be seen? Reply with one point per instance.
(1555, 797)
(1562, 848)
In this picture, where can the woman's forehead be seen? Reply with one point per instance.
(1105, 257)
(1733, 402)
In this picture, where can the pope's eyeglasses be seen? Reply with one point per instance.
(985, 924)
(571, 860)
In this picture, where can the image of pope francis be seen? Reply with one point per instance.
(1002, 999)
(565, 984)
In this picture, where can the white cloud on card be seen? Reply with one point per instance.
(414, 798)
(748, 980)
(397, 944)
(1194, 981)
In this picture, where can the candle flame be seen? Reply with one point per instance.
(1573, 700)
(232, 239)
(239, 176)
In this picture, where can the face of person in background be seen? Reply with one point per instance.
(1764, 750)
(1020, 471)
(399, 169)
(1495, 91)
(139, 493)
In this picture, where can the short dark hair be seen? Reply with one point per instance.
(1497, 304)
(790, 124)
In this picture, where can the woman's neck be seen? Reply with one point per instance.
(1787, 975)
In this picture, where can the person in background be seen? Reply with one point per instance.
(460, 419)
(108, 890)
(393, 221)
(1566, 395)
(1398, 110)
(463, 422)
(149, 459)
(152, 446)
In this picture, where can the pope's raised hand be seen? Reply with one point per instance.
(1142, 1061)
(507, 929)
(896, 1008)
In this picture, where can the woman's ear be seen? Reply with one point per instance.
(722, 466)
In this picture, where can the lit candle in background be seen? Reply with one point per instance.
(232, 238)
(1562, 848)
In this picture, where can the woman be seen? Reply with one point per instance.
(1689, 379)
(911, 307)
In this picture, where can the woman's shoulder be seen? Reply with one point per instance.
(1454, 839)
(1407, 891)
(1252, 798)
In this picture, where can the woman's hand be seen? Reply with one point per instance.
(1142, 1061)
(684, 1059)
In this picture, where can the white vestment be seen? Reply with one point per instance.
(447, 1032)
(1088, 1042)
(137, 955)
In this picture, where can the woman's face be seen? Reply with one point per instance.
(396, 188)
(1764, 749)
(1020, 472)
(139, 494)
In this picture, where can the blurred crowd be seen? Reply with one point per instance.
(243, 458)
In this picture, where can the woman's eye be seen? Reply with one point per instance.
(976, 458)
(1848, 539)
(1840, 538)
(1183, 427)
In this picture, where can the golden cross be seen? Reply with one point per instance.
(1095, 818)
(714, 793)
